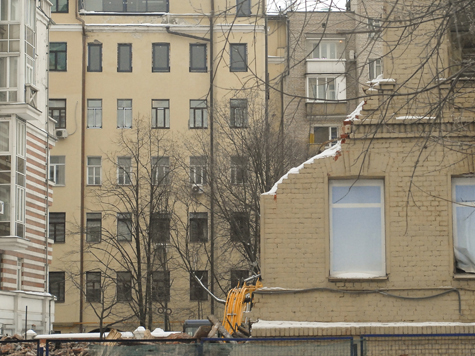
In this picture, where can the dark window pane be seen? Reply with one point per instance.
(93, 287)
(56, 285)
(198, 58)
(124, 286)
(160, 57)
(161, 286)
(243, 7)
(198, 227)
(57, 226)
(239, 226)
(160, 228)
(197, 292)
(238, 57)
(124, 60)
(238, 276)
(94, 63)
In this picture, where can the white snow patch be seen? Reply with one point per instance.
(357, 112)
(355, 275)
(329, 152)
(158, 332)
(379, 79)
(415, 117)
(266, 324)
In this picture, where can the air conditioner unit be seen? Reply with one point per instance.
(61, 133)
(2, 208)
(196, 189)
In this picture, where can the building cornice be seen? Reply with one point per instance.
(149, 27)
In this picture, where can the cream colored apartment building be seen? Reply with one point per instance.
(375, 235)
(160, 73)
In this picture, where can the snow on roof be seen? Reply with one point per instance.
(329, 152)
(356, 113)
(380, 79)
(415, 117)
(266, 324)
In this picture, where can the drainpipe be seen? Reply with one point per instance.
(266, 101)
(83, 158)
(211, 145)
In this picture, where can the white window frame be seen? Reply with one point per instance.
(160, 170)
(198, 171)
(94, 114)
(94, 171)
(338, 89)
(54, 170)
(160, 113)
(349, 243)
(124, 113)
(464, 246)
(375, 68)
(124, 172)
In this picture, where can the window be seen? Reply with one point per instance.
(322, 134)
(57, 169)
(125, 5)
(243, 7)
(357, 246)
(124, 57)
(57, 56)
(94, 168)
(198, 62)
(160, 170)
(8, 77)
(326, 88)
(198, 227)
(93, 287)
(161, 286)
(238, 276)
(238, 57)
(93, 227)
(463, 195)
(324, 50)
(124, 227)
(239, 227)
(124, 170)
(57, 110)
(374, 25)
(375, 68)
(60, 6)
(198, 114)
(94, 113)
(238, 113)
(57, 282)
(161, 114)
(198, 170)
(160, 57)
(124, 286)
(124, 113)
(197, 292)
(94, 57)
(160, 228)
(57, 226)
(238, 169)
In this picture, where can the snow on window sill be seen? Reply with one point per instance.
(464, 276)
(357, 276)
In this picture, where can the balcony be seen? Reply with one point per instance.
(325, 66)
(13, 243)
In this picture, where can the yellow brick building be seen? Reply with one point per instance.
(374, 235)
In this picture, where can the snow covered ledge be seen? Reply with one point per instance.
(329, 152)
(265, 328)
